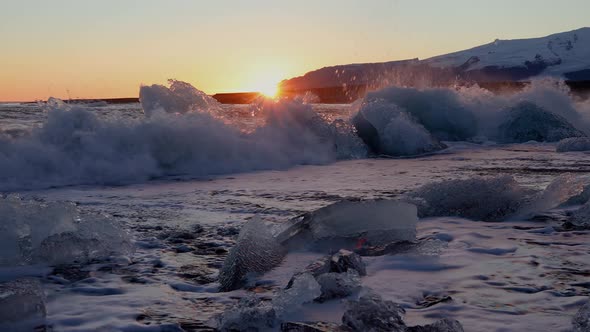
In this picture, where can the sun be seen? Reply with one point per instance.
(265, 81)
(269, 90)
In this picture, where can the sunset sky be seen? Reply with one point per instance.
(107, 48)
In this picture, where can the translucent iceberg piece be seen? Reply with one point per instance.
(256, 251)
(180, 97)
(560, 191)
(375, 222)
(502, 195)
(304, 288)
(54, 233)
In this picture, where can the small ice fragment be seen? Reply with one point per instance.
(559, 191)
(304, 288)
(256, 251)
(581, 321)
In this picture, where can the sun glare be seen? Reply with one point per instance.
(269, 90)
(266, 81)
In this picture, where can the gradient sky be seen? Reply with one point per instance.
(107, 48)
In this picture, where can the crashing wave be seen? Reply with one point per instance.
(573, 144)
(35, 232)
(439, 110)
(543, 111)
(388, 129)
(529, 122)
(75, 146)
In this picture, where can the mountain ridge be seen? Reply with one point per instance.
(563, 55)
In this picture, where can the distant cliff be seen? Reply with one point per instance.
(498, 65)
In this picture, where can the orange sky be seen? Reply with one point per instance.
(108, 48)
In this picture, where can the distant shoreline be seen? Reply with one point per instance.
(330, 95)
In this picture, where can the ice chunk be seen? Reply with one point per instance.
(389, 130)
(256, 251)
(372, 314)
(180, 97)
(573, 144)
(529, 122)
(22, 305)
(336, 285)
(464, 198)
(250, 314)
(345, 222)
(581, 321)
(55, 233)
(304, 288)
(560, 191)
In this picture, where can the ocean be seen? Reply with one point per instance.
(123, 215)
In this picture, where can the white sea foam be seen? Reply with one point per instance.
(543, 111)
(184, 132)
(182, 135)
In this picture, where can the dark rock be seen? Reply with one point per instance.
(338, 285)
(345, 260)
(312, 327)
(342, 261)
(372, 314)
(70, 272)
(443, 325)
(251, 314)
(430, 300)
(228, 231)
(181, 248)
(197, 274)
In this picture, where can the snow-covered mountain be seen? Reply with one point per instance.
(565, 55)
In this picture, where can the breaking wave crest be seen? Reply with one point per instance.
(184, 132)
(544, 111)
(181, 134)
